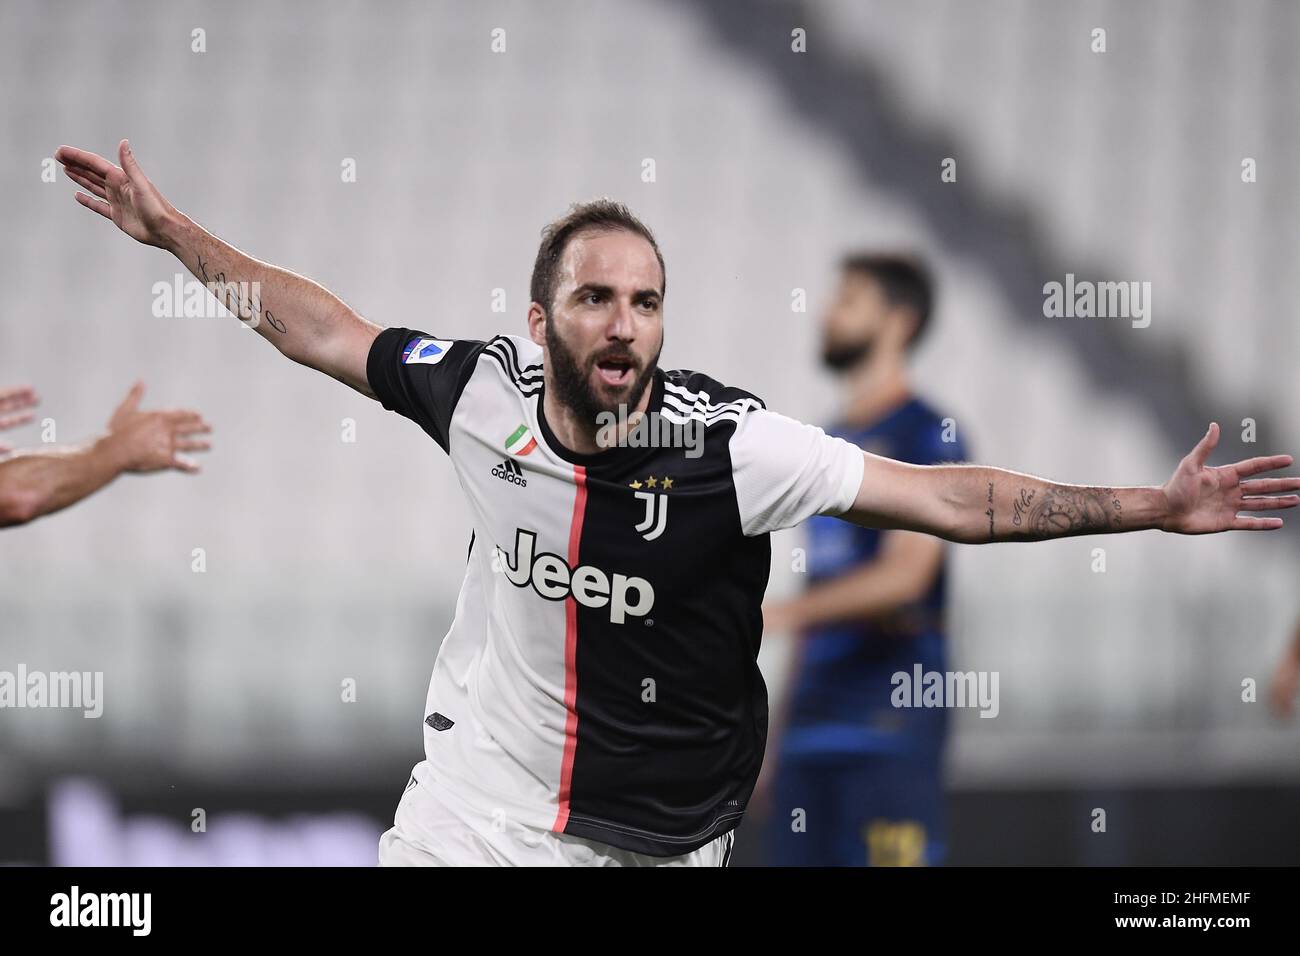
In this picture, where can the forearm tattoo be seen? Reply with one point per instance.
(1052, 511)
(989, 512)
(1061, 510)
(1020, 506)
(238, 298)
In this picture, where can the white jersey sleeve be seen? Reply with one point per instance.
(786, 471)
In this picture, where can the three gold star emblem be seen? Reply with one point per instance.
(652, 482)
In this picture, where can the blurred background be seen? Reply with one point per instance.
(326, 560)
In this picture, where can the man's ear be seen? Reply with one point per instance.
(537, 324)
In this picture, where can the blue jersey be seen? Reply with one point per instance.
(841, 694)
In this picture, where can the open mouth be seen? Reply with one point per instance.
(615, 371)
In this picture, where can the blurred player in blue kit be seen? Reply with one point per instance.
(866, 774)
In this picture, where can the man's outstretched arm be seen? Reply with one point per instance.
(973, 504)
(305, 321)
(41, 481)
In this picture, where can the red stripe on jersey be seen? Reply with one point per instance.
(571, 654)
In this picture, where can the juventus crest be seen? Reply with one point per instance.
(656, 506)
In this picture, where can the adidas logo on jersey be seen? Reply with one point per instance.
(550, 576)
(510, 471)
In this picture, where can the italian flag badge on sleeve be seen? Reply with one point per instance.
(521, 442)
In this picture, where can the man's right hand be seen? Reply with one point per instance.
(120, 193)
(14, 405)
(306, 322)
(153, 441)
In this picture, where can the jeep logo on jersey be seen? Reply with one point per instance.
(550, 576)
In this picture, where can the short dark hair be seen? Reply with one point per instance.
(904, 279)
(600, 215)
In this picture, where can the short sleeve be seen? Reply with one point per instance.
(421, 377)
(786, 471)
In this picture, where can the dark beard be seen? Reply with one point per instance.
(841, 358)
(573, 387)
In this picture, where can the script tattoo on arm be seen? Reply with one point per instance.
(989, 512)
(1020, 505)
(238, 297)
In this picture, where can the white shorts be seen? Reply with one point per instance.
(435, 828)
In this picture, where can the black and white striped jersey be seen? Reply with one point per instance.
(600, 677)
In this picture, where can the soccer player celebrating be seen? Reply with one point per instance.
(867, 774)
(597, 698)
(36, 482)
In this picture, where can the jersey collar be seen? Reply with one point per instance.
(619, 455)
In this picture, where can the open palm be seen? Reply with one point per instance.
(120, 193)
(1204, 499)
